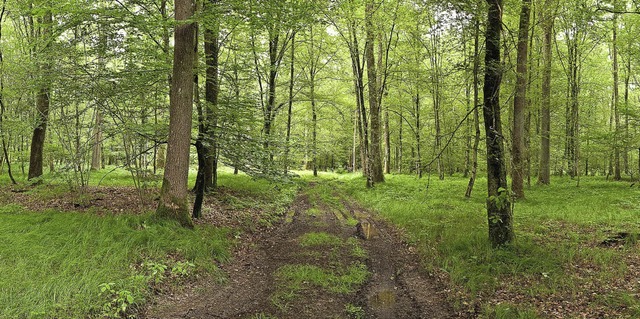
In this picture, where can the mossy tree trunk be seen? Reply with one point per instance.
(498, 202)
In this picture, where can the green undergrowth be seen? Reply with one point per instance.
(80, 265)
(296, 278)
(558, 228)
(71, 265)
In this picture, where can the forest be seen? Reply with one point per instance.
(484, 155)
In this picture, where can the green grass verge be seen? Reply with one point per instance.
(53, 264)
(556, 227)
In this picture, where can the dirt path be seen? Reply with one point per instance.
(317, 264)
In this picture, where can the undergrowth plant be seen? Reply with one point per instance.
(557, 227)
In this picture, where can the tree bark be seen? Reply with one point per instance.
(544, 172)
(520, 104)
(290, 108)
(476, 112)
(616, 98)
(5, 151)
(498, 202)
(96, 156)
(173, 195)
(375, 157)
(42, 104)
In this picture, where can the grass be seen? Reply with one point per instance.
(53, 263)
(558, 228)
(77, 265)
(294, 279)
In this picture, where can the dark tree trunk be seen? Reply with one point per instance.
(498, 202)
(290, 108)
(520, 104)
(173, 195)
(42, 107)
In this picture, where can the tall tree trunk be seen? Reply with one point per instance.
(418, 157)
(387, 142)
(520, 104)
(2, 105)
(627, 79)
(498, 202)
(290, 108)
(476, 112)
(544, 172)
(358, 81)
(616, 98)
(173, 195)
(42, 103)
(312, 95)
(400, 143)
(375, 157)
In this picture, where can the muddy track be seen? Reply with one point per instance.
(395, 287)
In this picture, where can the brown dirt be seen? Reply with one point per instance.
(396, 286)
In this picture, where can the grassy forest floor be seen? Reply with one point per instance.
(99, 253)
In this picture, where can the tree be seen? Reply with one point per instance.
(476, 115)
(498, 202)
(616, 97)
(520, 104)
(43, 98)
(173, 195)
(376, 174)
(548, 18)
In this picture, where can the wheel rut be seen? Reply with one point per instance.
(328, 259)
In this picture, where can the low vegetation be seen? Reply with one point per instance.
(571, 256)
(58, 263)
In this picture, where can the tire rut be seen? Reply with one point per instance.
(395, 287)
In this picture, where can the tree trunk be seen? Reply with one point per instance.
(173, 195)
(387, 143)
(476, 112)
(400, 143)
(290, 108)
(375, 157)
(498, 202)
(544, 172)
(520, 104)
(42, 105)
(418, 158)
(96, 156)
(5, 151)
(616, 98)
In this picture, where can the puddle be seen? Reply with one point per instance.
(384, 299)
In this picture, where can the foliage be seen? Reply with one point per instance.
(72, 265)
(556, 254)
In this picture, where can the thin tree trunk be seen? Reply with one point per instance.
(498, 202)
(476, 112)
(544, 172)
(290, 108)
(520, 104)
(616, 98)
(375, 157)
(96, 156)
(418, 158)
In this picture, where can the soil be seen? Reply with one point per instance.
(396, 287)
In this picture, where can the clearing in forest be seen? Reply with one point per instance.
(328, 259)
